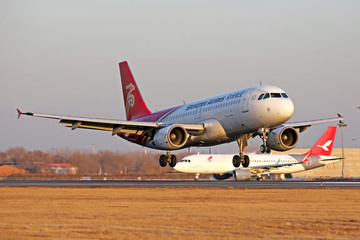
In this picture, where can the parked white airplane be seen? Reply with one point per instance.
(224, 166)
(234, 116)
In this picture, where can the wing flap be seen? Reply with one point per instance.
(267, 169)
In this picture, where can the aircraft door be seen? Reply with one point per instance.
(308, 162)
(197, 114)
(246, 99)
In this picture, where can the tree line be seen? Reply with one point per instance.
(102, 162)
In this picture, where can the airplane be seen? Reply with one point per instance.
(235, 116)
(224, 166)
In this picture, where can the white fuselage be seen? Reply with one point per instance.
(259, 163)
(226, 117)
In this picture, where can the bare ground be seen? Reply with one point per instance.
(179, 213)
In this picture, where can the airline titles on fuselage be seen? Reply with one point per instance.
(214, 100)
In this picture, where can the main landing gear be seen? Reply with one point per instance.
(241, 159)
(263, 133)
(168, 158)
(238, 160)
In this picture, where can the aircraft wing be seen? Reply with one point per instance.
(115, 126)
(265, 169)
(305, 124)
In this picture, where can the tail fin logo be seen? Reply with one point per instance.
(130, 99)
(326, 145)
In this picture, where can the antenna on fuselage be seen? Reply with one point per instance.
(260, 83)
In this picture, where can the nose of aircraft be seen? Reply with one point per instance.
(274, 111)
(287, 109)
(178, 166)
(280, 111)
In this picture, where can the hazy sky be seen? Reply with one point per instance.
(62, 57)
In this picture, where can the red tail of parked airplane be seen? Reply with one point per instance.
(134, 104)
(325, 144)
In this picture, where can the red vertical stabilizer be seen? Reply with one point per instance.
(325, 144)
(134, 104)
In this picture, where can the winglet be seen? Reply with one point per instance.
(19, 113)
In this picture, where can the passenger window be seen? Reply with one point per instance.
(284, 95)
(261, 96)
(266, 96)
(275, 95)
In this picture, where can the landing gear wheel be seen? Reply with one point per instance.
(196, 177)
(263, 133)
(267, 149)
(262, 148)
(172, 161)
(245, 161)
(236, 161)
(163, 160)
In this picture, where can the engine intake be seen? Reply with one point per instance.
(171, 137)
(283, 139)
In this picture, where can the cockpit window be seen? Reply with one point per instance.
(272, 95)
(267, 95)
(275, 95)
(185, 160)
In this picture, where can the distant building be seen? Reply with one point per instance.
(62, 168)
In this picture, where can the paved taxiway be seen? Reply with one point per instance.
(183, 184)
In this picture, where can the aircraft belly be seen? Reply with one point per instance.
(289, 169)
(218, 168)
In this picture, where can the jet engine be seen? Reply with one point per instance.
(283, 139)
(222, 176)
(242, 174)
(171, 137)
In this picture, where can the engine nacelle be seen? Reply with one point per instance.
(171, 137)
(222, 176)
(283, 139)
(242, 174)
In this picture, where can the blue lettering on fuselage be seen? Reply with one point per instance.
(214, 100)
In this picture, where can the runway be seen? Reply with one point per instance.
(184, 184)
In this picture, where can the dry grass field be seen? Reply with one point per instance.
(179, 213)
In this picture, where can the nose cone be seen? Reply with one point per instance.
(287, 110)
(178, 166)
(273, 112)
(279, 111)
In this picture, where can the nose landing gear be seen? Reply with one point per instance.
(263, 133)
